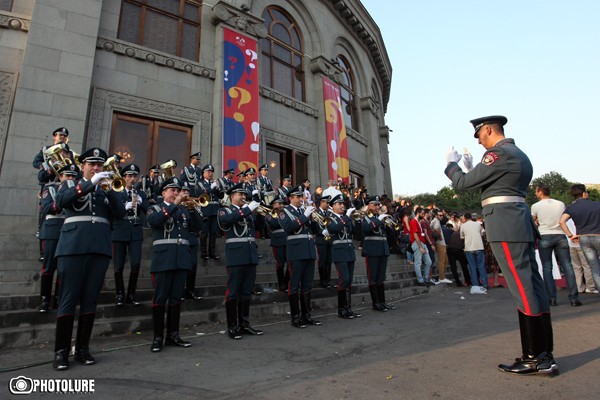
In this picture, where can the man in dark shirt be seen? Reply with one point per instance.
(585, 213)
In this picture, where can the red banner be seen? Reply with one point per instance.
(335, 127)
(241, 126)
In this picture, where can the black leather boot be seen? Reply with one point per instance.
(45, 292)
(190, 285)
(120, 287)
(173, 338)
(243, 308)
(85, 324)
(349, 304)
(305, 307)
(549, 339)
(381, 295)
(377, 306)
(158, 323)
(295, 312)
(131, 287)
(62, 342)
(342, 305)
(281, 280)
(232, 323)
(212, 247)
(535, 359)
(204, 246)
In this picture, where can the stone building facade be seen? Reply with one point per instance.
(107, 68)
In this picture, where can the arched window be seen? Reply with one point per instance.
(172, 26)
(347, 93)
(6, 5)
(282, 51)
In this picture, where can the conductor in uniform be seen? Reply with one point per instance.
(127, 236)
(241, 258)
(376, 251)
(301, 254)
(503, 176)
(83, 252)
(50, 233)
(171, 261)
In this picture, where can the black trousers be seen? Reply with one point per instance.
(240, 279)
(81, 279)
(376, 269)
(120, 250)
(168, 286)
(302, 275)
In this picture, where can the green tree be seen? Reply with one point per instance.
(558, 184)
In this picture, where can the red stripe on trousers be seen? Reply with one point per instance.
(511, 265)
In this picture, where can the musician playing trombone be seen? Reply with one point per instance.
(212, 190)
(376, 251)
(127, 236)
(342, 253)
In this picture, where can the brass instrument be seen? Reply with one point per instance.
(390, 223)
(320, 219)
(169, 168)
(56, 160)
(360, 214)
(193, 202)
(116, 182)
(266, 210)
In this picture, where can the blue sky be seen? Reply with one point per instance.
(536, 62)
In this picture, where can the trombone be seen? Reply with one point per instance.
(116, 182)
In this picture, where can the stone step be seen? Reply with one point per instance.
(196, 316)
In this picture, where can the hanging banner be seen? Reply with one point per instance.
(241, 126)
(335, 128)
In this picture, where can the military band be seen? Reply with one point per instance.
(104, 214)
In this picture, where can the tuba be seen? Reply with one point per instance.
(56, 160)
(169, 168)
(116, 183)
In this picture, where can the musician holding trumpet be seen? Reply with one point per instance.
(376, 251)
(83, 251)
(209, 227)
(342, 253)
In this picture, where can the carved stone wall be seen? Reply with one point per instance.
(14, 21)
(105, 103)
(8, 81)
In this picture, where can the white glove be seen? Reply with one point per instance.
(214, 185)
(100, 176)
(467, 159)
(350, 211)
(253, 205)
(325, 232)
(255, 192)
(139, 200)
(129, 205)
(452, 155)
(382, 216)
(309, 210)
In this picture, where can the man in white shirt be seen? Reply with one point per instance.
(547, 213)
(472, 233)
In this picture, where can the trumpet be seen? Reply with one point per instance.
(320, 219)
(390, 223)
(116, 182)
(266, 210)
(193, 202)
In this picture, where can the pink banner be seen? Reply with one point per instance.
(337, 143)
(241, 127)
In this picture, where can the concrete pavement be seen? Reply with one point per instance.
(445, 344)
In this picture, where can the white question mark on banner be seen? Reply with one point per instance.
(253, 56)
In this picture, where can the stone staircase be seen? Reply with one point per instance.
(22, 325)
